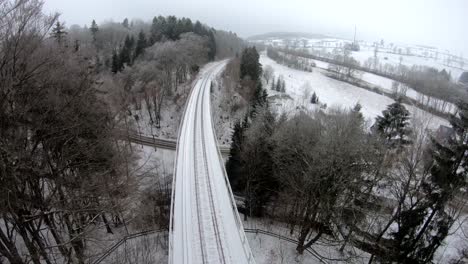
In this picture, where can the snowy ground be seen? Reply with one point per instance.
(266, 249)
(386, 85)
(418, 55)
(334, 93)
(269, 249)
(147, 249)
(455, 242)
(171, 113)
(161, 160)
(408, 60)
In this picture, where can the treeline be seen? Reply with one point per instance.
(426, 80)
(149, 60)
(289, 60)
(323, 174)
(135, 38)
(149, 84)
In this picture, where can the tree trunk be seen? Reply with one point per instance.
(8, 249)
(300, 249)
(106, 223)
(346, 240)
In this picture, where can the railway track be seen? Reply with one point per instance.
(205, 226)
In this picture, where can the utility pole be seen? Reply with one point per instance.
(354, 41)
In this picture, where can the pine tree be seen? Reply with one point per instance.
(260, 99)
(233, 165)
(424, 228)
(116, 65)
(77, 45)
(357, 111)
(449, 170)
(393, 124)
(314, 99)
(283, 86)
(94, 30)
(126, 51)
(250, 64)
(273, 85)
(59, 33)
(257, 163)
(125, 23)
(140, 45)
(278, 84)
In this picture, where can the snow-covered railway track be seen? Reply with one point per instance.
(209, 185)
(205, 226)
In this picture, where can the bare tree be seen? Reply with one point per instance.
(62, 170)
(268, 73)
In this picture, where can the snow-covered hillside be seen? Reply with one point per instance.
(334, 93)
(387, 52)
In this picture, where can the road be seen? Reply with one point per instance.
(205, 226)
(163, 143)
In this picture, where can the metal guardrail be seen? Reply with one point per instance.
(128, 237)
(246, 230)
(163, 143)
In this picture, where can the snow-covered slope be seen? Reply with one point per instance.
(335, 93)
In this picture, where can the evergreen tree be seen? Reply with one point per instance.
(94, 30)
(212, 46)
(259, 99)
(59, 33)
(314, 99)
(278, 84)
(393, 124)
(125, 23)
(140, 45)
(273, 84)
(283, 86)
(423, 229)
(257, 163)
(250, 64)
(116, 65)
(155, 31)
(356, 111)
(77, 45)
(233, 165)
(126, 51)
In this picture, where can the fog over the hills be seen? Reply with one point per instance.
(440, 23)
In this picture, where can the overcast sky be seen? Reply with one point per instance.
(441, 23)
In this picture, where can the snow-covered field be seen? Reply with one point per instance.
(334, 93)
(409, 60)
(387, 52)
(386, 85)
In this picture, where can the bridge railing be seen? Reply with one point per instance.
(122, 242)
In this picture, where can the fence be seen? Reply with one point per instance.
(123, 241)
(247, 230)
